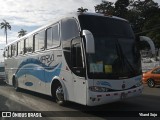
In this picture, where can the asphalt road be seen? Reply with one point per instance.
(148, 102)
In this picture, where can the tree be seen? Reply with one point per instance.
(143, 15)
(22, 33)
(81, 10)
(144, 11)
(152, 28)
(121, 7)
(105, 8)
(5, 25)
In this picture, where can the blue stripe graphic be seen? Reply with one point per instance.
(28, 83)
(38, 69)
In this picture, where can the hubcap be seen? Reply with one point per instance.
(59, 94)
(151, 83)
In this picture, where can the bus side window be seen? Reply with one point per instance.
(39, 41)
(14, 49)
(53, 36)
(9, 51)
(49, 37)
(29, 44)
(26, 45)
(19, 47)
(69, 29)
(22, 47)
(5, 53)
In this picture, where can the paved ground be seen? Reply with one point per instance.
(10, 100)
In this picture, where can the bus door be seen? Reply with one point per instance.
(78, 71)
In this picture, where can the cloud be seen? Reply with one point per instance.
(38, 12)
(35, 13)
(12, 35)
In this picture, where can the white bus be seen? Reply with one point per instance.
(87, 58)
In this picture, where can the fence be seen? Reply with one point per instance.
(148, 60)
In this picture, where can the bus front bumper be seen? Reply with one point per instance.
(99, 98)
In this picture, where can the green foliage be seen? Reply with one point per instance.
(121, 7)
(81, 10)
(5, 25)
(105, 8)
(144, 16)
(152, 26)
(22, 33)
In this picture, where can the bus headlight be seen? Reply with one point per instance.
(98, 89)
(139, 84)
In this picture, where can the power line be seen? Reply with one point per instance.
(148, 30)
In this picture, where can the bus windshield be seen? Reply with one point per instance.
(116, 55)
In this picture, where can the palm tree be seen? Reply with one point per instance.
(22, 33)
(81, 10)
(5, 25)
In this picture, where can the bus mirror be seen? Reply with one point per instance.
(150, 42)
(90, 46)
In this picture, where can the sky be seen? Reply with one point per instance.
(32, 14)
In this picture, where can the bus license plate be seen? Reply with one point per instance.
(123, 95)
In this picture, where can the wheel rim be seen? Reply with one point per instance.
(150, 83)
(59, 94)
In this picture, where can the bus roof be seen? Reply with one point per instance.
(69, 15)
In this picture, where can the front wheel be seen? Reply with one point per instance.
(59, 95)
(150, 83)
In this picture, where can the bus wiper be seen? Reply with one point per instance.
(124, 57)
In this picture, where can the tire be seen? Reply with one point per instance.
(59, 95)
(15, 84)
(150, 83)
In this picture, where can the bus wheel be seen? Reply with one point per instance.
(150, 83)
(59, 94)
(15, 84)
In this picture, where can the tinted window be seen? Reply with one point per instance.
(106, 26)
(9, 51)
(22, 47)
(39, 41)
(116, 54)
(69, 29)
(5, 52)
(156, 71)
(29, 44)
(19, 48)
(49, 37)
(53, 36)
(26, 45)
(14, 49)
(1, 69)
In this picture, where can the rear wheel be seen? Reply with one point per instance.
(151, 83)
(15, 84)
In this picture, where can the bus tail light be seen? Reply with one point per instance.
(139, 84)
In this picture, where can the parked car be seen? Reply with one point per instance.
(152, 77)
